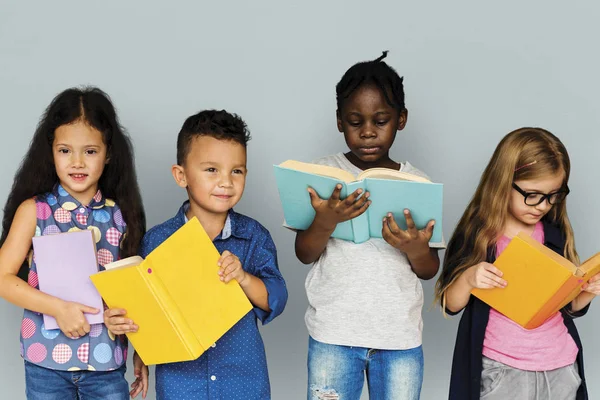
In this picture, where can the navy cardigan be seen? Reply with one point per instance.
(465, 381)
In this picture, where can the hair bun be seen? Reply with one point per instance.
(382, 56)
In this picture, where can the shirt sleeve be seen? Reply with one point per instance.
(263, 265)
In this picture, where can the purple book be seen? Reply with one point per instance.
(64, 264)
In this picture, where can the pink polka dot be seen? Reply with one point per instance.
(61, 215)
(43, 211)
(113, 236)
(125, 354)
(104, 257)
(83, 353)
(98, 196)
(96, 330)
(27, 328)
(81, 218)
(32, 279)
(37, 352)
(62, 353)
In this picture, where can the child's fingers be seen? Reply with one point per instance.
(223, 257)
(350, 200)
(314, 198)
(497, 281)
(411, 228)
(145, 382)
(335, 195)
(113, 312)
(355, 213)
(119, 321)
(390, 221)
(492, 268)
(227, 264)
(428, 231)
(361, 201)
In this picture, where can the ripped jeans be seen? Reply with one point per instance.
(338, 372)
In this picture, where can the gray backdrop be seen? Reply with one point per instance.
(473, 72)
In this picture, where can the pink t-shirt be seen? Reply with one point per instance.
(544, 348)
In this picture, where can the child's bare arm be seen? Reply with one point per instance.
(14, 251)
(311, 243)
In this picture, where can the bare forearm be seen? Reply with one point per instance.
(426, 264)
(311, 243)
(256, 291)
(582, 300)
(458, 294)
(19, 293)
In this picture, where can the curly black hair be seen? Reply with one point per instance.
(218, 124)
(375, 72)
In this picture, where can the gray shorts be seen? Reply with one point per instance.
(501, 382)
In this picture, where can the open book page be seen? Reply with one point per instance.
(126, 262)
(386, 173)
(316, 169)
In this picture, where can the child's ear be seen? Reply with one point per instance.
(402, 118)
(179, 175)
(338, 117)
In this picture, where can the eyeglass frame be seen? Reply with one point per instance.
(545, 196)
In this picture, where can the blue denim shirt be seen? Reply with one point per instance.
(236, 366)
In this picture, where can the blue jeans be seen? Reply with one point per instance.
(338, 372)
(48, 384)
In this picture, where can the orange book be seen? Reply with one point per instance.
(539, 281)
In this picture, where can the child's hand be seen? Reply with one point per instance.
(484, 276)
(117, 323)
(411, 241)
(71, 321)
(333, 211)
(593, 285)
(140, 371)
(231, 268)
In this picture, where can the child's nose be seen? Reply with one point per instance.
(226, 180)
(77, 160)
(368, 131)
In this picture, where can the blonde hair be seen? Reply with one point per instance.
(523, 154)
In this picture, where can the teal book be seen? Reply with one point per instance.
(390, 191)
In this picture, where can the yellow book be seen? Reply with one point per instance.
(175, 296)
(539, 281)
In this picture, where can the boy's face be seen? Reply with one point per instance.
(214, 173)
(369, 123)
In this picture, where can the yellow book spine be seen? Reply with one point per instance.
(170, 309)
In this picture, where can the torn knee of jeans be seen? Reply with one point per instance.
(324, 394)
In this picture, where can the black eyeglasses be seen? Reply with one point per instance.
(535, 198)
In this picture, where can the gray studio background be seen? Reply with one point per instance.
(473, 72)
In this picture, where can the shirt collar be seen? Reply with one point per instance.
(70, 203)
(233, 224)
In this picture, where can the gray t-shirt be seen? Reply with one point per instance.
(364, 295)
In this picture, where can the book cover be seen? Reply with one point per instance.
(175, 296)
(64, 264)
(539, 281)
(390, 191)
